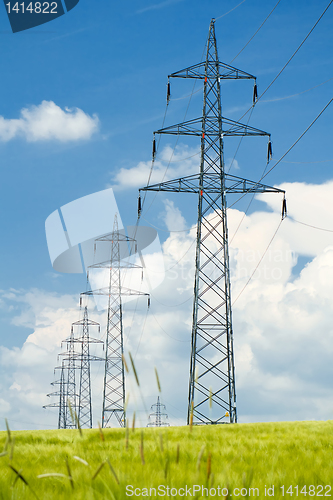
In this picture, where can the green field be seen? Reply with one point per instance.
(245, 458)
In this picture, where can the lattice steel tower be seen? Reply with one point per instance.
(158, 415)
(84, 357)
(212, 369)
(114, 377)
(72, 361)
(61, 394)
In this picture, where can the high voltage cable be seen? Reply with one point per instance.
(265, 100)
(299, 93)
(258, 264)
(310, 225)
(300, 137)
(229, 11)
(271, 12)
(285, 154)
(307, 36)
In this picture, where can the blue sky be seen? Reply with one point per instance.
(111, 60)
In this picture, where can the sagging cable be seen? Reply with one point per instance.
(284, 208)
(168, 92)
(148, 301)
(269, 150)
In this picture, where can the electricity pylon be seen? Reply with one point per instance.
(61, 394)
(114, 376)
(68, 398)
(158, 415)
(212, 368)
(84, 357)
(71, 403)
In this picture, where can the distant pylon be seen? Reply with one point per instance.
(71, 395)
(73, 360)
(61, 394)
(68, 397)
(113, 409)
(85, 358)
(158, 416)
(212, 392)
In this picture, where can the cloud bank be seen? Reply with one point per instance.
(47, 122)
(282, 321)
(170, 163)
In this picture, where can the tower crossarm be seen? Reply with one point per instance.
(193, 184)
(208, 69)
(106, 291)
(122, 265)
(214, 127)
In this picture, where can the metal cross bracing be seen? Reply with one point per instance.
(71, 402)
(69, 357)
(158, 416)
(113, 409)
(84, 359)
(212, 393)
(68, 398)
(61, 394)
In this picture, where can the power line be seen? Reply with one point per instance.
(300, 137)
(260, 260)
(271, 12)
(310, 225)
(307, 36)
(220, 17)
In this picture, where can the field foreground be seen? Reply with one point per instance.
(277, 460)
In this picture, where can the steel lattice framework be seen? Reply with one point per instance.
(212, 369)
(61, 394)
(114, 377)
(159, 417)
(72, 361)
(85, 358)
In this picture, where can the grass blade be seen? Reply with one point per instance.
(191, 416)
(113, 471)
(79, 459)
(101, 432)
(134, 370)
(209, 465)
(177, 454)
(200, 456)
(78, 423)
(158, 380)
(100, 467)
(141, 450)
(19, 476)
(8, 431)
(69, 473)
(126, 435)
(125, 363)
(12, 449)
(52, 474)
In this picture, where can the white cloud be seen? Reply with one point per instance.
(49, 122)
(283, 329)
(169, 164)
